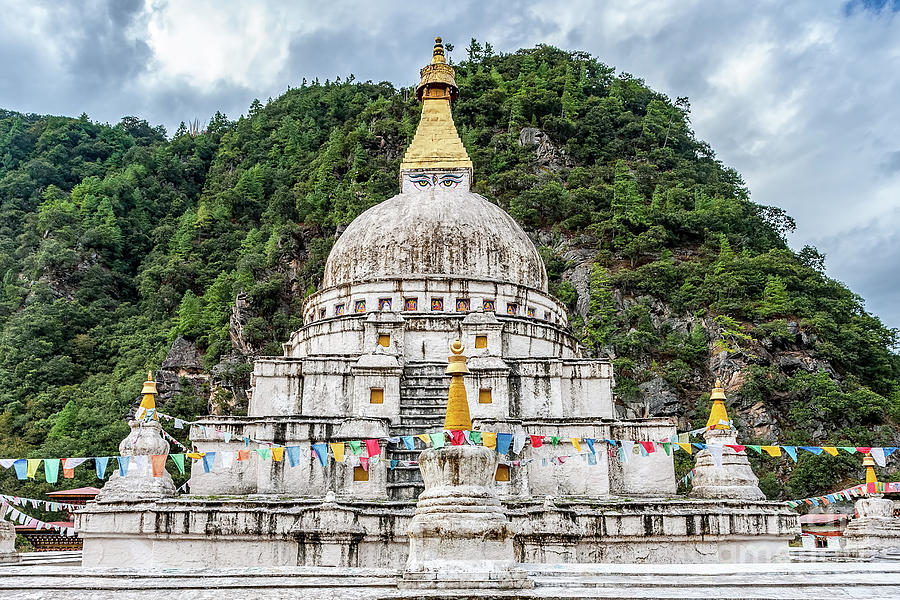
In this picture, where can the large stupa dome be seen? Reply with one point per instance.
(435, 232)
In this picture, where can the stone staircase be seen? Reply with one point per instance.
(423, 399)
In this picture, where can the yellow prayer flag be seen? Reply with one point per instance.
(277, 453)
(33, 464)
(489, 439)
(424, 437)
(830, 450)
(772, 450)
(686, 447)
(338, 450)
(576, 444)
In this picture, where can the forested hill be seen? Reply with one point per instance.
(115, 240)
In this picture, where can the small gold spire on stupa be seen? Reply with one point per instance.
(148, 403)
(436, 144)
(869, 464)
(718, 412)
(457, 417)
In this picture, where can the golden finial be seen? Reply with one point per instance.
(438, 56)
(436, 144)
(718, 412)
(148, 403)
(869, 464)
(457, 416)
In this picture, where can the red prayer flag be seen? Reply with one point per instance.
(243, 455)
(537, 441)
(648, 446)
(159, 464)
(736, 447)
(364, 463)
(373, 448)
(457, 437)
(863, 450)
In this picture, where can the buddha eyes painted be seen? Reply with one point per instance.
(446, 180)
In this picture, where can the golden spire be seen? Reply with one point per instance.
(718, 412)
(457, 417)
(869, 464)
(148, 403)
(436, 144)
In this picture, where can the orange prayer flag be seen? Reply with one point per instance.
(243, 455)
(159, 464)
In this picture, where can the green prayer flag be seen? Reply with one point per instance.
(355, 446)
(51, 469)
(666, 447)
(849, 449)
(437, 439)
(554, 440)
(264, 453)
(178, 459)
(475, 436)
(757, 449)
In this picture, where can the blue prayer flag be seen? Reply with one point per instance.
(792, 452)
(321, 451)
(293, 455)
(123, 465)
(503, 442)
(100, 465)
(590, 443)
(408, 441)
(21, 466)
(209, 460)
(814, 449)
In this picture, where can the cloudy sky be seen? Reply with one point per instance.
(801, 97)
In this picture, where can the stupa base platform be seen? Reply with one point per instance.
(192, 532)
(627, 582)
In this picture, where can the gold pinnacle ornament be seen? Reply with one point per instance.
(148, 403)
(457, 417)
(436, 144)
(718, 412)
(869, 464)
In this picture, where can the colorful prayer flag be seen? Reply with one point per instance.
(337, 448)
(373, 448)
(178, 459)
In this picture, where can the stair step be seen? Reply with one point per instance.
(425, 400)
(423, 409)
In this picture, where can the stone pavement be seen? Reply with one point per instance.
(644, 581)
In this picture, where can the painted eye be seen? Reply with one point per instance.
(449, 183)
(422, 183)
